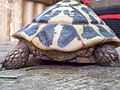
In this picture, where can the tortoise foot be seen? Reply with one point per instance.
(106, 54)
(17, 58)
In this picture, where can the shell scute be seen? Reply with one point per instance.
(89, 32)
(66, 0)
(24, 28)
(38, 18)
(78, 17)
(67, 34)
(32, 30)
(46, 35)
(105, 33)
(49, 15)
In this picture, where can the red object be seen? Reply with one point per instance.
(110, 16)
(85, 2)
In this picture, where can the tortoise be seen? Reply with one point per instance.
(67, 31)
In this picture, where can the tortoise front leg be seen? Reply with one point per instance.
(106, 54)
(18, 57)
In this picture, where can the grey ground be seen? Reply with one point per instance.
(58, 77)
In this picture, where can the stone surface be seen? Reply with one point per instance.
(58, 76)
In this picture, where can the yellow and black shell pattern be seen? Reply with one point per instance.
(67, 26)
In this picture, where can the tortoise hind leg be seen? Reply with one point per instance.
(106, 54)
(18, 57)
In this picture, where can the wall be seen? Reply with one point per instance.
(14, 14)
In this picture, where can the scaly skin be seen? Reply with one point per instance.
(103, 54)
(17, 58)
(106, 54)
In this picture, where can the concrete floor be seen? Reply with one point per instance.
(58, 77)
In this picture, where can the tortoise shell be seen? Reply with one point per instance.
(67, 26)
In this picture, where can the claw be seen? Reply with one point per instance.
(1, 66)
(112, 63)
